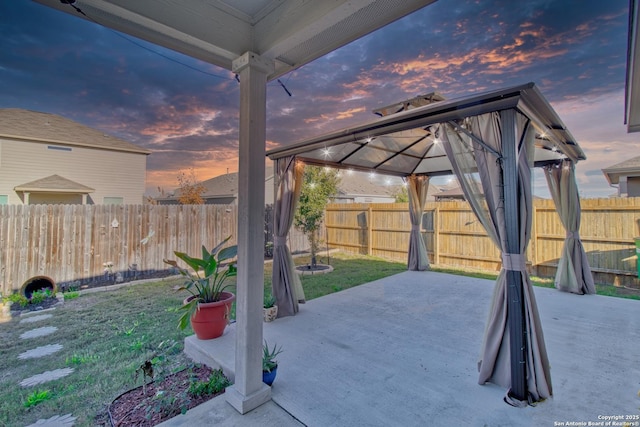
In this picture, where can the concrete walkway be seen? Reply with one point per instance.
(403, 351)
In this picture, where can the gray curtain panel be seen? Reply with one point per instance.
(476, 153)
(417, 188)
(286, 285)
(573, 274)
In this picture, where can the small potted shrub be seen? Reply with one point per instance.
(270, 307)
(209, 305)
(269, 363)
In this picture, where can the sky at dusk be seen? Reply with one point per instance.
(186, 111)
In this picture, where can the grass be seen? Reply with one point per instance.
(108, 337)
(352, 270)
(601, 289)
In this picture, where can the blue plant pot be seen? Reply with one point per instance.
(269, 377)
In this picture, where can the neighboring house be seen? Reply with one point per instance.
(48, 159)
(361, 187)
(222, 190)
(626, 176)
(355, 187)
(451, 194)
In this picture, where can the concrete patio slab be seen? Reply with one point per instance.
(403, 351)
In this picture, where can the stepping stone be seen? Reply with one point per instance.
(36, 318)
(41, 351)
(55, 421)
(46, 377)
(39, 332)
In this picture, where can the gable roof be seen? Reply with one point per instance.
(16, 123)
(628, 167)
(54, 184)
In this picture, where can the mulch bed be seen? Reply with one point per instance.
(16, 309)
(135, 408)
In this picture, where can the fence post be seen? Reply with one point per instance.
(534, 240)
(436, 235)
(370, 231)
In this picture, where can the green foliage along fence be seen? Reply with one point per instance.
(454, 237)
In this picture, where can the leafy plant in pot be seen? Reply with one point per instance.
(270, 308)
(269, 363)
(209, 305)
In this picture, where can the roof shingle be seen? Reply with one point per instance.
(50, 128)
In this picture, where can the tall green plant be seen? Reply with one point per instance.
(318, 186)
(209, 286)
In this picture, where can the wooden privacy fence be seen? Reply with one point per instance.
(72, 243)
(454, 237)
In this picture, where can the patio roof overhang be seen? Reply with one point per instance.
(289, 32)
(405, 143)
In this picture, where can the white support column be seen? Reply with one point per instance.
(249, 391)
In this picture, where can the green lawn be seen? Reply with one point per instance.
(107, 336)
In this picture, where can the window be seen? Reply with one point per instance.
(113, 200)
(55, 147)
(4, 199)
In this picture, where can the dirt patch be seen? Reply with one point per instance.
(164, 399)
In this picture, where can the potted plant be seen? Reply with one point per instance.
(270, 308)
(269, 363)
(209, 305)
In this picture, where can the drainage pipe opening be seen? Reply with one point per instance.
(38, 283)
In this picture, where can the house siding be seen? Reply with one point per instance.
(110, 173)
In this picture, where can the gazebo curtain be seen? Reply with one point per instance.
(417, 188)
(477, 149)
(286, 285)
(573, 274)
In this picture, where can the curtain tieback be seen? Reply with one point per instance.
(573, 234)
(515, 262)
(279, 240)
(415, 227)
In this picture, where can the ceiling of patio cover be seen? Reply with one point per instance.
(406, 143)
(289, 32)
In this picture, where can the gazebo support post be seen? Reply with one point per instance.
(515, 307)
(249, 391)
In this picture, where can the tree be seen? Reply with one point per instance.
(401, 194)
(190, 189)
(318, 186)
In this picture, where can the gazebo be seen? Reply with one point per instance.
(494, 138)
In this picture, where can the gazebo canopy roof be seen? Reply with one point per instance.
(406, 143)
